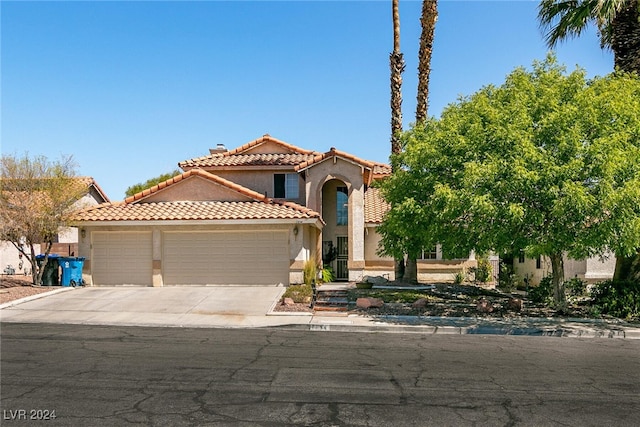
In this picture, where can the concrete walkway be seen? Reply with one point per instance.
(252, 307)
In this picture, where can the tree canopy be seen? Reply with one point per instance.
(136, 188)
(548, 162)
(36, 199)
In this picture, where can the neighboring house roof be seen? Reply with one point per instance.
(92, 184)
(249, 155)
(374, 206)
(256, 205)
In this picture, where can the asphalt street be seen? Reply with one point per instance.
(116, 375)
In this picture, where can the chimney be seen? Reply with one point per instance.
(220, 148)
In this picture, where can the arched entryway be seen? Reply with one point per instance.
(335, 234)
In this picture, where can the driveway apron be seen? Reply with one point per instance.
(186, 306)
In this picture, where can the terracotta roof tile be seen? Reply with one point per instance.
(268, 159)
(238, 157)
(374, 206)
(134, 208)
(186, 210)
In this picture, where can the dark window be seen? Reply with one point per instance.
(342, 206)
(538, 262)
(285, 186)
(521, 257)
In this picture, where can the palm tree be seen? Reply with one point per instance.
(618, 23)
(428, 23)
(396, 62)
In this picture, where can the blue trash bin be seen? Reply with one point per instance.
(50, 276)
(71, 271)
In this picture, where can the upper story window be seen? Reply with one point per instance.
(285, 185)
(342, 206)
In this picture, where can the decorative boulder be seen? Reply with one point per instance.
(288, 301)
(369, 303)
(484, 306)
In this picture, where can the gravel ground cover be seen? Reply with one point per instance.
(16, 287)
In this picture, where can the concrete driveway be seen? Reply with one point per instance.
(198, 306)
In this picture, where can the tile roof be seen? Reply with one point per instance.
(238, 157)
(134, 208)
(374, 206)
(187, 210)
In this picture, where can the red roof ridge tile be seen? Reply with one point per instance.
(333, 152)
(267, 138)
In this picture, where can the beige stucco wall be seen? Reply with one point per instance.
(351, 174)
(196, 188)
(261, 181)
(592, 269)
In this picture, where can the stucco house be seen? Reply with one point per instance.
(591, 270)
(66, 242)
(248, 216)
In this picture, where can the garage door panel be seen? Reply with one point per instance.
(248, 258)
(122, 258)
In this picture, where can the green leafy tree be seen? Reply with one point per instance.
(547, 162)
(618, 22)
(36, 199)
(135, 189)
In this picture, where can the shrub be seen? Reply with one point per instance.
(482, 271)
(507, 279)
(543, 293)
(309, 272)
(619, 298)
(575, 287)
(460, 277)
(298, 293)
(327, 275)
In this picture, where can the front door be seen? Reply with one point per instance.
(342, 272)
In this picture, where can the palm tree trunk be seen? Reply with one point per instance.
(396, 62)
(625, 42)
(428, 23)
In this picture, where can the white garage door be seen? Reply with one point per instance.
(225, 258)
(122, 258)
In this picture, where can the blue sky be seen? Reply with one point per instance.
(132, 88)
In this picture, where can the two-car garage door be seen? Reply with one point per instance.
(225, 257)
(192, 258)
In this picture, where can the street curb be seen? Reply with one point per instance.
(34, 297)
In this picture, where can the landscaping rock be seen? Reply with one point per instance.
(369, 303)
(484, 306)
(288, 301)
(376, 280)
(419, 303)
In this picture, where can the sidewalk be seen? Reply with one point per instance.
(252, 307)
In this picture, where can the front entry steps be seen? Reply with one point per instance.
(330, 299)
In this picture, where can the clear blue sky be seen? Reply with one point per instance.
(132, 88)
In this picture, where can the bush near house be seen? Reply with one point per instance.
(299, 293)
(618, 298)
